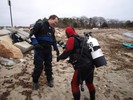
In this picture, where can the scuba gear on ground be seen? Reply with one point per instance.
(128, 45)
(96, 52)
(16, 37)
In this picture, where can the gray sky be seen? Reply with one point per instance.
(26, 12)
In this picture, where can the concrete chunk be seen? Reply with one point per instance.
(24, 46)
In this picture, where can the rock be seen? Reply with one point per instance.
(116, 97)
(24, 46)
(6, 38)
(22, 33)
(23, 60)
(8, 50)
(7, 62)
(4, 32)
(94, 28)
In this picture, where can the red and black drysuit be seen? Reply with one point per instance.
(71, 51)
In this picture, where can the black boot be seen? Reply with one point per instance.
(35, 86)
(50, 80)
(51, 83)
(92, 95)
(76, 96)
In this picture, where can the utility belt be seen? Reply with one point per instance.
(45, 43)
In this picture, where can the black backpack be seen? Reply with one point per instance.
(82, 53)
(16, 37)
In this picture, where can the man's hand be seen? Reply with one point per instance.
(57, 52)
(58, 59)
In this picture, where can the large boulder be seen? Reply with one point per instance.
(8, 50)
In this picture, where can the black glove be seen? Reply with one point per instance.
(38, 46)
(57, 52)
(58, 58)
(62, 44)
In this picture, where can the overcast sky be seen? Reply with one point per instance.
(26, 12)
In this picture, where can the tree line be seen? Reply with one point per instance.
(94, 22)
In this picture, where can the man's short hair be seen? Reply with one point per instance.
(53, 17)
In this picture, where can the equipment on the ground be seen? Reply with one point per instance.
(16, 37)
(128, 45)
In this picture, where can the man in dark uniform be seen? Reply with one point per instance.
(81, 73)
(42, 37)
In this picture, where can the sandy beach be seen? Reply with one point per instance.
(112, 82)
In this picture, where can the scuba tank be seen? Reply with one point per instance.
(96, 52)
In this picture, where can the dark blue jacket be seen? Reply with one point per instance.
(43, 34)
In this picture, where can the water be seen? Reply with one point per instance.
(129, 34)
